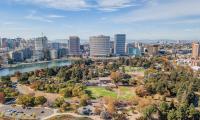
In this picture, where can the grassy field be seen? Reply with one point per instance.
(98, 92)
(122, 93)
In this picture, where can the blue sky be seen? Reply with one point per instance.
(139, 19)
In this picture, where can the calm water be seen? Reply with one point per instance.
(34, 66)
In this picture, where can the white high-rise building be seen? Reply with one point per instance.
(99, 46)
(41, 43)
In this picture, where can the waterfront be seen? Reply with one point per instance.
(31, 67)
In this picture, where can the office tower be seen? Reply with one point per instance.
(74, 46)
(4, 43)
(112, 47)
(55, 46)
(119, 45)
(153, 50)
(131, 50)
(16, 56)
(41, 43)
(54, 54)
(195, 50)
(99, 46)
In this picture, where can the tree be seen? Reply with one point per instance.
(5, 80)
(141, 91)
(25, 100)
(116, 77)
(172, 115)
(65, 106)
(59, 101)
(84, 100)
(24, 78)
(181, 112)
(40, 100)
(148, 112)
(111, 105)
(193, 113)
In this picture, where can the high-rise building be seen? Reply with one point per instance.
(131, 50)
(153, 50)
(54, 54)
(55, 45)
(99, 46)
(41, 43)
(195, 50)
(4, 42)
(74, 46)
(119, 45)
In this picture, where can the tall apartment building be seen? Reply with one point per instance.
(119, 44)
(74, 46)
(195, 50)
(99, 46)
(41, 43)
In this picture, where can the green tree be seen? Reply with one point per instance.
(172, 115)
(40, 100)
(59, 101)
(25, 100)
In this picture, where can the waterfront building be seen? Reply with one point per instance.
(119, 44)
(16, 56)
(62, 52)
(27, 53)
(38, 55)
(195, 50)
(74, 46)
(41, 43)
(99, 46)
(54, 54)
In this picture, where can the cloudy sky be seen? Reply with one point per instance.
(139, 19)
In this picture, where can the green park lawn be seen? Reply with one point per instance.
(125, 93)
(97, 92)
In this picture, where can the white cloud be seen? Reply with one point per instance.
(33, 16)
(8, 23)
(59, 4)
(74, 5)
(163, 11)
(112, 5)
(55, 16)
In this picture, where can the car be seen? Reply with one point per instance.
(8, 110)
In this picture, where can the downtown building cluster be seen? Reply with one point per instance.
(39, 49)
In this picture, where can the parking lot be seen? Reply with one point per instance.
(30, 113)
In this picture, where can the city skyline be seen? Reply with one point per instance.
(138, 19)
